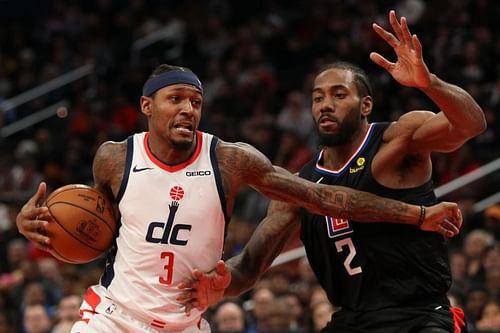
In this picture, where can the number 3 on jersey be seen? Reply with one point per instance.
(169, 267)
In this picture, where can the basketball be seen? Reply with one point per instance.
(83, 226)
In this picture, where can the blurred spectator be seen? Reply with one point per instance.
(475, 300)
(293, 152)
(67, 313)
(5, 325)
(278, 318)
(262, 301)
(295, 117)
(229, 317)
(36, 319)
(475, 244)
(490, 317)
(492, 220)
(257, 63)
(321, 315)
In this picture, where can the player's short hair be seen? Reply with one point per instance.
(163, 68)
(360, 78)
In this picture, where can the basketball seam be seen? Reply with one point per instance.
(87, 210)
(70, 233)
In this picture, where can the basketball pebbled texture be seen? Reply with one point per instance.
(84, 223)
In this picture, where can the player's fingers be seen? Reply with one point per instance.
(36, 226)
(406, 32)
(395, 25)
(185, 297)
(38, 196)
(385, 35)
(381, 61)
(185, 285)
(221, 268)
(448, 225)
(188, 308)
(41, 241)
(417, 45)
(198, 274)
(459, 218)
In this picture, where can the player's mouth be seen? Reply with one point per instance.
(184, 128)
(328, 123)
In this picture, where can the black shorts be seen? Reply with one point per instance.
(428, 319)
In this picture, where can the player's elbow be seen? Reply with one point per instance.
(478, 126)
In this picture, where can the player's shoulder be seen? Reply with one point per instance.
(109, 149)
(407, 124)
(227, 149)
(108, 166)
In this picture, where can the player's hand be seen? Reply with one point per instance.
(409, 69)
(32, 220)
(205, 289)
(444, 218)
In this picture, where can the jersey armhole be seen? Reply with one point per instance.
(126, 172)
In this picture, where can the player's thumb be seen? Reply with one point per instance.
(40, 193)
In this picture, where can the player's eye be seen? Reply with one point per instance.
(317, 99)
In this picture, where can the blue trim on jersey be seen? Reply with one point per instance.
(109, 272)
(218, 178)
(128, 165)
(352, 158)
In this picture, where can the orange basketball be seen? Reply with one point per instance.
(84, 223)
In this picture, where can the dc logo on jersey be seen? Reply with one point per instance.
(170, 232)
(337, 227)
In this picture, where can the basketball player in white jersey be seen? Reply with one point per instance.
(174, 188)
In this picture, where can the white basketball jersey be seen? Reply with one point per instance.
(172, 221)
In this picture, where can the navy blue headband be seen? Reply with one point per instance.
(168, 79)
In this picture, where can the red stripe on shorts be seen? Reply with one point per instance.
(458, 319)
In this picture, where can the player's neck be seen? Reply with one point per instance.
(335, 157)
(168, 154)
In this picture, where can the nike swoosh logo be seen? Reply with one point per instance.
(319, 180)
(136, 169)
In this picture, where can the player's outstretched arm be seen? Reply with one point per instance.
(242, 164)
(461, 117)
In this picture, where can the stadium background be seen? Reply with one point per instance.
(256, 60)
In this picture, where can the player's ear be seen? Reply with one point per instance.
(366, 106)
(146, 105)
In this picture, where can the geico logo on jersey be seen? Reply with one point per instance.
(198, 173)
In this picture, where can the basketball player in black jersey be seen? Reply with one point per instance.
(385, 278)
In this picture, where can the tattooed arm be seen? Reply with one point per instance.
(264, 246)
(242, 164)
(108, 167)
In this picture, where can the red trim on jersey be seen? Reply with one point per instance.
(458, 318)
(361, 145)
(177, 167)
(92, 299)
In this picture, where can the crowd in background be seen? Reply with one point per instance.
(256, 60)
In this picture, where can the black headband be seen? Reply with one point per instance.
(169, 78)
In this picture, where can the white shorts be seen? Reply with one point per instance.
(98, 314)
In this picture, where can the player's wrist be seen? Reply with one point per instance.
(421, 217)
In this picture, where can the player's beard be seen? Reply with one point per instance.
(348, 128)
(181, 146)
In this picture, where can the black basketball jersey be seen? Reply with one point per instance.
(370, 266)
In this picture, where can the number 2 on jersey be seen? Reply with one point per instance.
(169, 267)
(347, 242)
